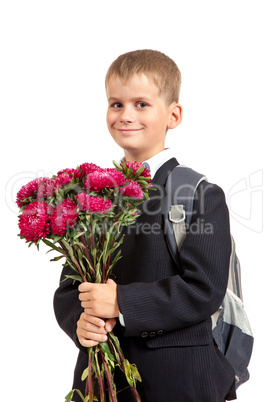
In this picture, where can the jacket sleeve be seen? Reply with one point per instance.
(178, 302)
(67, 306)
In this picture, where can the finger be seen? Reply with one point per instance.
(109, 325)
(84, 296)
(87, 343)
(92, 336)
(93, 319)
(86, 304)
(86, 326)
(91, 306)
(85, 287)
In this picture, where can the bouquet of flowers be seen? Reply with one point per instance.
(79, 213)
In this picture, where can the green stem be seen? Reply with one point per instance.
(89, 384)
(92, 272)
(99, 375)
(76, 263)
(115, 344)
(110, 382)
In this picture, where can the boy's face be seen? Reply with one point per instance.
(138, 117)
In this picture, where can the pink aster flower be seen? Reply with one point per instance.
(46, 188)
(91, 203)
(28, 190)
(71, 172)
(34, 221)
(65, 176)
(87, 168)
(62, 180)
(132, 189)
(63, 215)
(104, 178)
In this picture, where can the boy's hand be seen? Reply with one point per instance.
(99, 299)
(92, 330)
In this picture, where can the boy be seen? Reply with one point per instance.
(162, 318)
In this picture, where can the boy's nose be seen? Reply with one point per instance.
(127, 116)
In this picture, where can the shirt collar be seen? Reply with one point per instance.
(156, 161)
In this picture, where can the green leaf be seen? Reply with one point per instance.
(57, 238)
(80, 394)
(129, 173)
(105, 348)
(135, 373)
(78, 235)
(115, 259)
(57, 258)
(118, 167)
(69, 248)
(131, 371)
(80, 259)
(124, 166)
(85, 374)
(139, 171)
(128, 372)
(74, 277)
(143, 182)
(87, 398)
(69, 397)
(71, 264)
(50, 244)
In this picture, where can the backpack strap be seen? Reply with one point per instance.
(234, 281)
(181, 186)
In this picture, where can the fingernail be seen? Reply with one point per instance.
(105, 338)
(108, 327)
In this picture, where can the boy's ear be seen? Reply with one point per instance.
(175, 116)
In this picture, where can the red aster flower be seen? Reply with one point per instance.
(34, 221)
(104, 178)
(91, 203)
(87, 168)
(132, 189)
(28, 190)
(63, 215)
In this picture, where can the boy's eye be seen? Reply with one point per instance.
(116, 105)
(141, 105)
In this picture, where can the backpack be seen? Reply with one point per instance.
(230, 325)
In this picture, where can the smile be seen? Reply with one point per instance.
(128, 131)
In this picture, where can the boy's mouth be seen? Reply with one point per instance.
(127, 131)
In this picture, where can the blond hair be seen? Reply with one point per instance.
(155, 65)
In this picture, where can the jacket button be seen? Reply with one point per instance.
(144, 334)
(160, 332)
(152, 334)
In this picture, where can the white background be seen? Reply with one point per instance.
(54, 55)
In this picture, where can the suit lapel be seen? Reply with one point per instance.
(158, 183)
